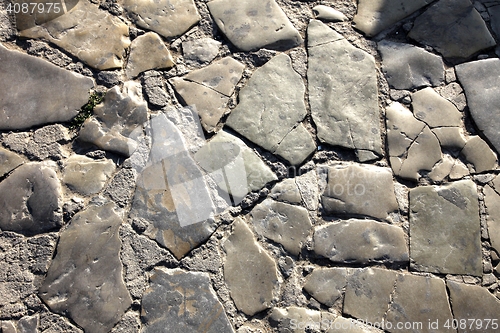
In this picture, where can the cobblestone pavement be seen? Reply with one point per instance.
(249, 166)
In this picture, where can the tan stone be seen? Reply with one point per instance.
(148, 52)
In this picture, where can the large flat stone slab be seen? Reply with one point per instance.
(169, 18)
(171, 192)
(285, 224)
(352, 190)
(454, 28)
(250, 273)
(115, 119)
(35, 92)
(178, 301)
(445, 230)
(373, 16)
(85, 279)
(271, 109)
(254, 24)
(481, 82)
(408, 67)
(343, 92)
(92, 35)
(361, 242)
(31, 200)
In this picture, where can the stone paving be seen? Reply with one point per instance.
(249, 166)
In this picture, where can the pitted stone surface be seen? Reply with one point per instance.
(408, 67)
(434, 110)
(285, 224)
(468, 35)
(326, 13)
(270, 111)
(9, 161)
(178, 301)
(254, 24)
(85, 278)
(326, 284)
(86, 175)
(360, 242)
(90, 34)
(351, 189)
(345, 111)
(249, 271)
(48, 93)
(479, 153)
(373, 16)
(148, 52)
(238, 170)
(445, 229)
(200, 51)
(481, 83)
(492, 203)
(31, 201)
(115, 120)
(172, 194)
(169, 18)
(473, 302)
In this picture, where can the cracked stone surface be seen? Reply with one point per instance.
(49, 94)
(345, 112)
(148, 52)
(270, 111)
(249, 271)
(468, 36)
(326, 284)
(92, 35)
(445, 229)
(361, 242)
(180, 301)
(169, 18)
(86, 175)
(9, 161)
(254, 24)
(88, 287)
(350, 189)
(408, 67)
(434, 110)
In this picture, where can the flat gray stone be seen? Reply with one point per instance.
(361, 242)
(326, 284)
(254, 24)
(445, 230)
(285, 224)
(368, 294)
(351, 189)
(481, 82)
(328, 14)
(237, 170)
(114, 121)
(169, 18)
(286, 191)
(450, 137)
(295, 319)
(9, 161)
(249, 272)
(419, 299)
(178, 301)
(85, 278)
(408, 67)
(86, 175)
(200, 51)
(442, 169)
(492, 203)
(271, 108)
(345, 112)
(479, 153)
(31, 91)
(454, 28)
(92, 35)
(148, 52)
(473, 302)
(308, 188)
(172, 194)
(31, 200)
(373, 16)
(434, 110)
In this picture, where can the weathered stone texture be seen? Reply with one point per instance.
(148, 52)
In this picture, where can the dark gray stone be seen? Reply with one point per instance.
(178, 301)
(454, 28)
(408, 67)
(35, 92)
(85, 278)
(31, 200)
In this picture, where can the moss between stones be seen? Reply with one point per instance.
(86, 111)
